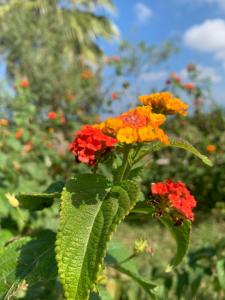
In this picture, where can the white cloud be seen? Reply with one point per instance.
(206, 72)
(208, 37)
(143, 12)
(153, 76)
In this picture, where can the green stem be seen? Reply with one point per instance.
(125, 165)
(127, 259)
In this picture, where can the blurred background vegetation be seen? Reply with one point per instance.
(58, 78)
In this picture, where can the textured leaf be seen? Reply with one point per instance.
(29, 259)
(36, 201)
(181, 234)
(90, 212)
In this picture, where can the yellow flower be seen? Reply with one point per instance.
(162, 136)
(165, 103)
(127, 135)
(146, 134)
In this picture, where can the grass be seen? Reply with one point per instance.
(206, 232)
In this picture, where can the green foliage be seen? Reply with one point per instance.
(181, 234)
(175, 143)
(39, 201)
(64, 36)
(93, 209)
(120, 259)
(25, 262)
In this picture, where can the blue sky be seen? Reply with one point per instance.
(198, 24)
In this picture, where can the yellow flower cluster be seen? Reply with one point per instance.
(164, 103)
(137, 125)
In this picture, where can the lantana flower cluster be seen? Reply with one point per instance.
(89, 143)
(138, 125)
(175, 195)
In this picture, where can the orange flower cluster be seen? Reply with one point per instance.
(164, 103)
(4, 122)
(86, 74)
(137, 125)
(211, 148)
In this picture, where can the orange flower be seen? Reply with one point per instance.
(165, 103)
(211, 148)
(27, 147)
(19, 133)
(70, 97)
(24, 83)
(4, 122)
(86, 74)
(136, 125)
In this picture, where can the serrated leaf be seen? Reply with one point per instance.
(38, 201)
(181, 234)
(27, 259)
(90, 212)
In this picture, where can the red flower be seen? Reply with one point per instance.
(175, 77)
(114, 96)
(52, 115)
(63, 120)
(189, 86)
(176, 196)
(116, 58)
(19, 133)
(24, 83)
(89, 143)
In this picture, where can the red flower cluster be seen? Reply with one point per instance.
(90, 142)
(52, 115)
(24, 83)
(114, 96)
(19, 133)
(177, 195)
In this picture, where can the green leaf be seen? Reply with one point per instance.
(5, 235)
(220, 268)
(181, 234)
(102, 294)
(143, 208)
(177, 143)
(27, 259)
(35, 201)
(180, 143)
(117, 258)
(90, 213)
